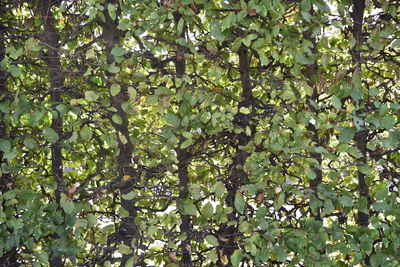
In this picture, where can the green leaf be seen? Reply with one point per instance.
(124, 249)
(15, 71)
(358, 122)
(86, 133)
(118, 52)
(189, 208)
(29, 143)
(111, 11)
(236, 257)
(115, 89)
(179, 27)
(92, 219)
(116, 119)
(310, 173)
(381, 191)
(131, 195)
(91, 96)
(42, 257)
(239, 203)
(388, 122)
(279, 200)
(247, 40)
(113, 69)
(172, 119)
(207, 210)
(346, 201)
(216, 31)
(186, 143)
(50, 135)
(219, 189)
(212, 240)
(347, 134)
(336, 102)
(395, 43)
(66, 204)
(5, 145)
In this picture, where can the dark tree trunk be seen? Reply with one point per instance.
(52, 59)
(362, 136)
(183, 161)
(6, 179)
(127, 176)
(311, 73)
(237, 175)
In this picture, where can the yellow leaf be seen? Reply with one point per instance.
(349, 108)
(126, 178)
(224, 260)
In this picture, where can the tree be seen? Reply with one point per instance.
(199, 133)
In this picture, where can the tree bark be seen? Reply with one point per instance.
(52, 59)
(311, 73)
(362, 136)
(237, 175)
(127, 176)
(6, 179)
(183, 161)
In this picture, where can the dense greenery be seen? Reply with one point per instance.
(200, 133)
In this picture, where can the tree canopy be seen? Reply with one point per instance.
(199, 133)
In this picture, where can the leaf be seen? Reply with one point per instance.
(219, 189)
(111, 11)
(347, 134)
(189, 208)
(92, 219)
(381, 191)
(186, 143)
(279, 200)
(118, 52)
(179, 27)
(15, 71)
(91, 96)
(358, 122)
(212, 240)
(346, 201)
(239, 202)
(207, 210)
(124, 249)
(5, 145)
(310, 173)
(388, 122)
(116, 119)
(395, 43)
(172, 119)
(115, 89)
(67, 205)
(131, 195)
(336, 102)
(29, 143)
(216, 31)
(86, 133)
(236, 257)
(50, 135)
(113, 69)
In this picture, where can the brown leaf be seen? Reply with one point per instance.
(252, 13)
(223, 239)
(172, 257)
(168, 3)
(71, 191)
(261, 197)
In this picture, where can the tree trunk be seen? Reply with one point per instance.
(52, 59)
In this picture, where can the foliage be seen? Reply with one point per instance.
(199, 133)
